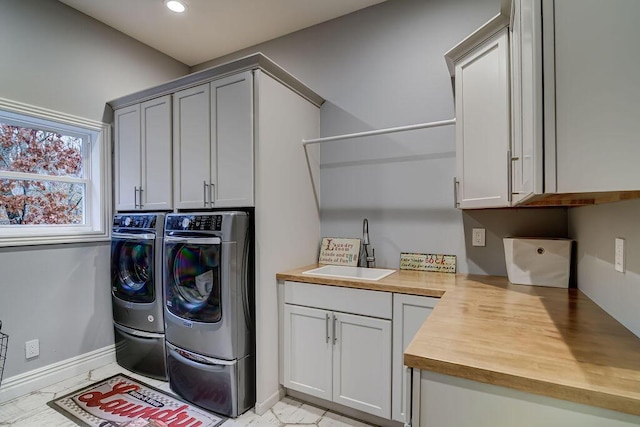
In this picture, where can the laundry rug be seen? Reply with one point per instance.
(121, 401)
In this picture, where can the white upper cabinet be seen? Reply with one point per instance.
(213, 144)
(143, 156)
(127, 157)
(526, 100)
(572, 94)
(597, 94)
(232, 141)
(483, 124)
(191, 147)
(576, 88)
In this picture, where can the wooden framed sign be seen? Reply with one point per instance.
(428, 262)
(339, 251)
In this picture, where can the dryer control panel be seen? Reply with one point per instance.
(186, 222)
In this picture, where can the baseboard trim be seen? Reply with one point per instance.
(45, 376)
(265, 405)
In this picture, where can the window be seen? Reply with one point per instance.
(54, 177)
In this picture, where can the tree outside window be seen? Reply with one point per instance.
(40, 153)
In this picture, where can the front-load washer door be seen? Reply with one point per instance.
(132, 268)
(193, 279)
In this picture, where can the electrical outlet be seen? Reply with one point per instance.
(32, 348)
(478, 237)
(619, 255)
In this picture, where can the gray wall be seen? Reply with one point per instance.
(595, 229)
(382, 67)
(57, 58)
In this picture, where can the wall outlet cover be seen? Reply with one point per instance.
(619, 255)
(32, 349)
(478, 237)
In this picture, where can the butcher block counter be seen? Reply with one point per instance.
(547, 341)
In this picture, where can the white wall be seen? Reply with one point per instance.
(595, 229)
(57, 58)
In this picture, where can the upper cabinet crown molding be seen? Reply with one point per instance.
(247, 63)
(473, 40)
(491, 27)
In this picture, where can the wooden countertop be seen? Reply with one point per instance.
(548, 341)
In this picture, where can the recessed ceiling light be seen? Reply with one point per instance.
(175, 6)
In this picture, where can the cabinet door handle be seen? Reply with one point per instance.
(455, 193)
(204, 192)
(140, 190)
(335, 338)
(406, 395)
(509, 176)
(212, 193)
(135, 197)
(326, 328)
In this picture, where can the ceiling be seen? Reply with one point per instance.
(212, 28)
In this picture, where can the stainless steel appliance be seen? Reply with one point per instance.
(136, 290)
(209, 293)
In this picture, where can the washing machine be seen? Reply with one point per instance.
(136, 290)
(209, 309)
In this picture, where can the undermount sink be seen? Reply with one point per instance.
(350, 272)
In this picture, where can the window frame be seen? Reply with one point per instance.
(97, 170)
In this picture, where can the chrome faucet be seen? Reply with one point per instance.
(366, 259)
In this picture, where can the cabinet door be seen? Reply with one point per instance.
(362, 363)
(308, 346)
(191, 147)
(409, 313)
(483, 125)
(597, 94)
(526, 100)
(127, 157)
(156, 154)
(232, 140)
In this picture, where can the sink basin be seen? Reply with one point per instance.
(350, 272)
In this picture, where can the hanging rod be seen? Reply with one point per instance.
(381, 131)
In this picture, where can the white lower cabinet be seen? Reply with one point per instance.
(308, 351)
(409, 313)
(451, 401)
(337, 345)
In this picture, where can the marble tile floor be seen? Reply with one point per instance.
(32, 410)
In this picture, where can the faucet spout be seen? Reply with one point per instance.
(365, 232)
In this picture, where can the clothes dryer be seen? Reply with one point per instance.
(209, 292)
(136, 290)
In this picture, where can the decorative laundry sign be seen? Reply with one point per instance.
(339, 251)
(428, 262)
